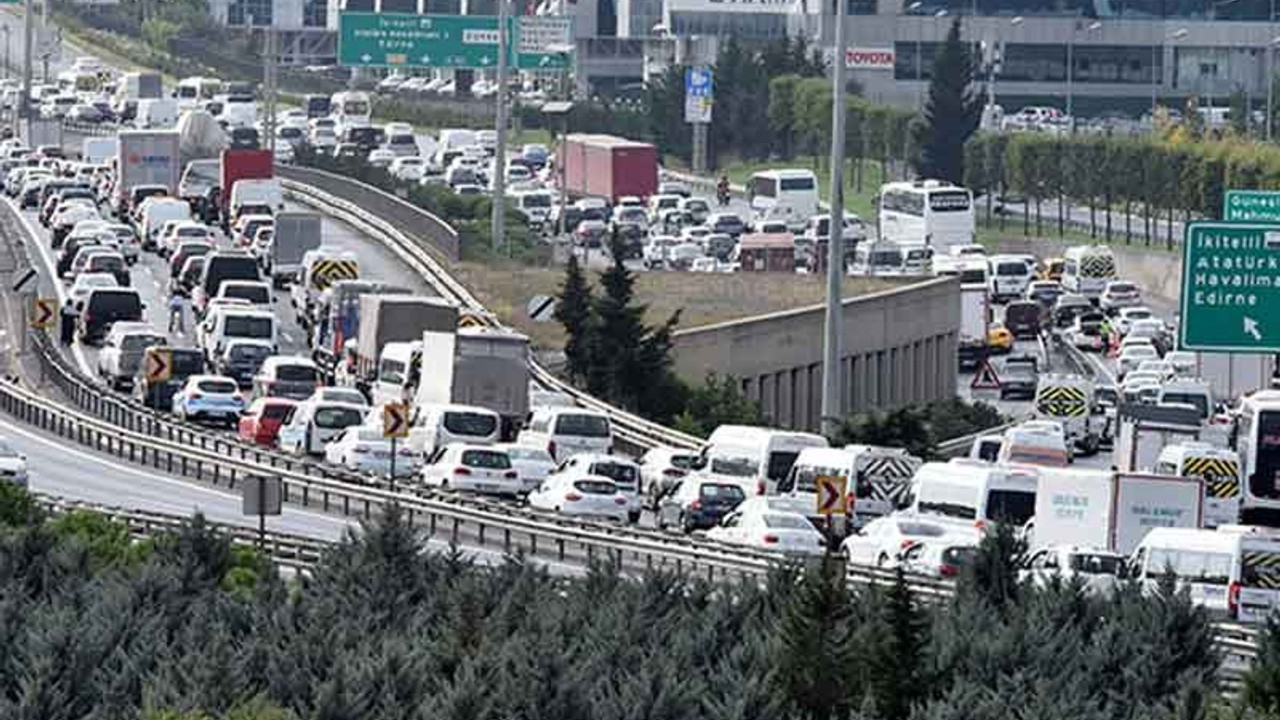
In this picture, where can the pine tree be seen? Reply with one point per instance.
(897, 659)
(573, 311)
(1262, 683)
(993, 575)
(814, 654)
(952, 112)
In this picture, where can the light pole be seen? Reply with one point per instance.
(833, 325)
(1271, 83)
(1071, 66)
(499, 215)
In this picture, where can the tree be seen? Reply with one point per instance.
(813, 653)
(897, 659)
(717, 402)
(952, 112)
(573, 311)
(993, 575)
(1238, 112)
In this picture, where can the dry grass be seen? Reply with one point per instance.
(704, 298)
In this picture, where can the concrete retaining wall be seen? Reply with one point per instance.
(899, 348)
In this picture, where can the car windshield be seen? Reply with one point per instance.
(1122, 288)
(721, 493)
(139, 343)
(222, 387)
(618, 472)
(296, 373)
(582, 425)
(470, 423)
(338, 417)
(487, 459)
(529, 453)
(247, 326)
(276, 411)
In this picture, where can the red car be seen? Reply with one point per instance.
(262, 421)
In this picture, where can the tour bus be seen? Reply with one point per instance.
(1234, 569)
(192, 91)
(1087, 269)
(1257, 439)
(790, 196)
(926, 212)
(351, 108)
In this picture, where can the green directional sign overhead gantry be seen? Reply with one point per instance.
(449, 41)
(1251, 206)
(1231, 287)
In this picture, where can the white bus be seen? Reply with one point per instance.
(1257, 438)
(790, 196)
(351, 108)
(926, 212)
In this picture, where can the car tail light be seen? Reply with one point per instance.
(770, 539)
(906, 544)
(760, 487)
(948, 570)
(461, 471)
(510, 475)
(551, 448)
(1233, 599)
(194, 396)
(619, 500)
(572, 497)
(980, 525)
(695, 505)
(673, 473)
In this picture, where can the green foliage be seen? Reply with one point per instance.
(918, 428)
(896, 658)
(718, 401)
(952, 111)
(107, 541)
(814, 652)
(1262, 683)
(1238, 112)
(993, 575)
(573, 311)
(18, 508)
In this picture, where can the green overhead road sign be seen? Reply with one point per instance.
(1231, 287)
(450, 41)
(1251, 206)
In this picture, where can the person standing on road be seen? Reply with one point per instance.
(68, 323)
(1105, 330)
(178, 312)
(722, 191)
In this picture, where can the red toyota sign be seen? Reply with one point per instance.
(869, 58)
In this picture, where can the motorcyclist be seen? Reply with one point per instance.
(722, 190)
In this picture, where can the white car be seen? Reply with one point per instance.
(1133, 356)
(349, 396)
(581, 496)
(532, 464)
(757, 524)
(381, 158)
(1126, 316)
(364, 449)
(86, 282)
(881, 541)
(1183, 361)
(122, 351)
(662, 469)
(1097, 570)
(1119, 294)
(472, 468)
(408, 169)
(942, 557)
(13, 465)
(1163, 369)
(623, 472)
(209, 397)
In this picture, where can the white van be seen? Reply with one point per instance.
(434, 426)
(1086, 270)
(878, 477)
(1220, 470)
(966, 491)
(156, 213)
(231, 322)
(1010, 276)
(266, 192)
(1234, 569)
(755, 458)
(311, 425)
(156, 114)
(1035, 442)
(568, 431)
(351, 108)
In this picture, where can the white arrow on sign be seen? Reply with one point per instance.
(366, 57)
(1251, 328)
(426, 59)
(485, 60)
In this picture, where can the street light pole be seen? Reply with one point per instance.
(500, 149)
(831, 375)
(1271, 84)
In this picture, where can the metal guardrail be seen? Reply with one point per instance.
(286, 549)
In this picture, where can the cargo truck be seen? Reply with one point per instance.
(398, 319)
(1113, 511)
(295, 233)
(145, 157)
(975, 317)
(238, 164)
(608, 167)
(337, 329)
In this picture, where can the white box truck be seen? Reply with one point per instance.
(975, 318)
(146, 157)
(1111, 511)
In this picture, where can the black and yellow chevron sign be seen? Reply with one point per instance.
(1062, 401)
(326, 272)
(1263, 568)
(1221, 477)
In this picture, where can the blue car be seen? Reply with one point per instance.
(209, 398)
(698, 504)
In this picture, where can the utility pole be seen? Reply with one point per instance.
(831, 376)
(269, 83)
(500, 151)
(24, 103)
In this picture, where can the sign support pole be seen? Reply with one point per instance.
(500, 151)
(28, 49)
(392, 477)
(831, 336)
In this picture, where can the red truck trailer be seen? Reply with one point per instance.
(244, 165)
(608, 166)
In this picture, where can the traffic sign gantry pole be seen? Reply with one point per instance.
(159, 368)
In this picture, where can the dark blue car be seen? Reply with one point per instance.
(698, 503)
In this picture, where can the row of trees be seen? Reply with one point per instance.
(380, 630)
(1160, 179)
(919, 428)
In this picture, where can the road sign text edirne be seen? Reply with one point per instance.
(1231, 288)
